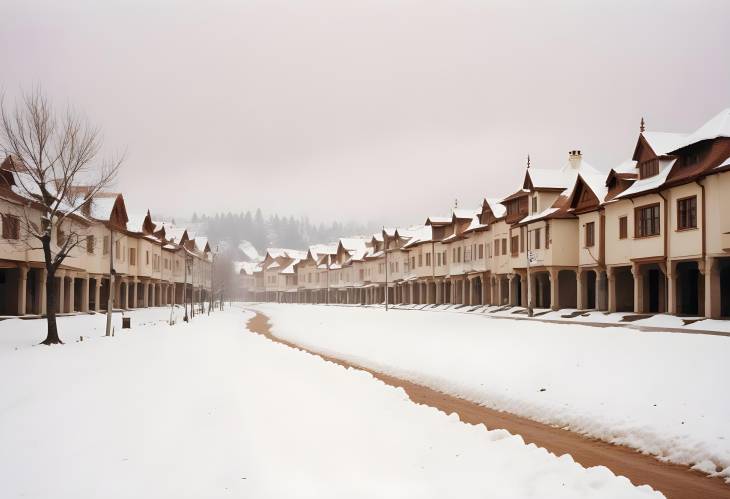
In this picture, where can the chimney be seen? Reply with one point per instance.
(574, 158)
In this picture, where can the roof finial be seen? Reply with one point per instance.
(642, 126)
(528, 161)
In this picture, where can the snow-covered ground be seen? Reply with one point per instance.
(208, 410)
(570, 315)
(662, 393)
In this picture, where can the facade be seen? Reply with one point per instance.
(133, 247)
(648, 236)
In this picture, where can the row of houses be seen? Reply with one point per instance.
(650, 236)
(154, 263)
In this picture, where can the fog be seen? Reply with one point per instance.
(371, 110)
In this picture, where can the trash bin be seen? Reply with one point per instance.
(126, 323)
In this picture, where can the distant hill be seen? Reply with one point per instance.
(248, 233)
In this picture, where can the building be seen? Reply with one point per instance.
(105, 240)
(645, 237)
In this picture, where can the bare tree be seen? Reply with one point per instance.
(55, 167)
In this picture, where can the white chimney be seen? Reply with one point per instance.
(574, 158)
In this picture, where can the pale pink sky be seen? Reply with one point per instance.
(371, 110)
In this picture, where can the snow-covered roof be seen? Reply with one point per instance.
(422, 234)
(102, 205)
(247, 268)
(135, 222)
(498, 209)
(438, 220)
(540, 215)
(465, 213)
(664, 142)
(597, 184)
(717, 126)
(352, 243)
(628, 166)
(647, 184)
(542, 178)
(249, 250)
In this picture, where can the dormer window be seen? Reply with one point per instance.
(694, 154)
(649, 168)
(534, 204)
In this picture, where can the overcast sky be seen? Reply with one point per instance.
(371, 110)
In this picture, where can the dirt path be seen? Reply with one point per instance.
(674, 481)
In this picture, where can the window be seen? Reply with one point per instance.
(133, 256)
(117, 249)
(623, 227)
(496, 247)
(647, 221)
(60, 236)
(590, 234)
(428, 258)
(514, 245)
(649, 168)
(444, 258)
(90, 244)
(534, 204)
(481, 251)
(147, 257)
(458, 254)
(547, 236)
(11, 227)
(687, 213)
(105, 245)
(504, 245)
(420, 260)
(536, 239)
(438, 259)
(413, 262)
(522, 239)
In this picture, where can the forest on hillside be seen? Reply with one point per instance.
(273, 230)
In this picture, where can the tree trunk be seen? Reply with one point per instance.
(52, 335)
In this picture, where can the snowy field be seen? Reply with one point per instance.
(207, 410)
(662, 393)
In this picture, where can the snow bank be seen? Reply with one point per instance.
(208, 410)
(656, 392)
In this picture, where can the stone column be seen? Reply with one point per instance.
(60, 299)
(439, 292)
(611, 275)
(40, 307)
(511, 291)
(638, 288)
(601, 294)
(712, 288)
(554, 288)
(671, 288)
(71, 293)
(134, 293)
(486, 297)
(97, 293)
(22, 288)
(85, 293)
(579, 291)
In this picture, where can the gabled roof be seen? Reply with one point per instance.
(495, 206)
(596, 185)
(464, 213)
(350, 244)
(438, 220)
(661, 143)
(109, 207)
(421, 235)
(717, 126)
(647, 184)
